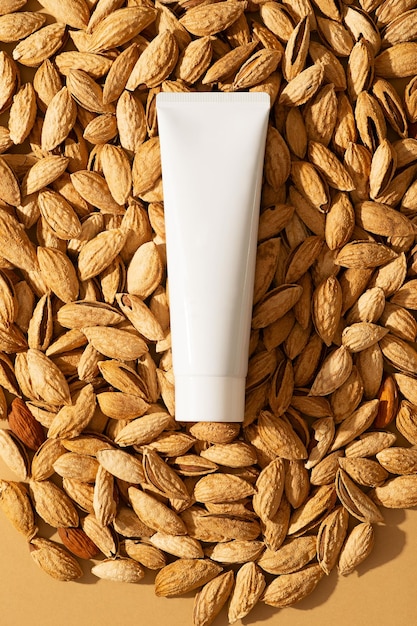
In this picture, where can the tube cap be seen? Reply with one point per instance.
(209, 399)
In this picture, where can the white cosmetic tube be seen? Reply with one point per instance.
(212, 150)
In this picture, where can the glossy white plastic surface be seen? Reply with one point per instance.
(212, 148)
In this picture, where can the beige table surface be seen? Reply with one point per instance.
(383, 592)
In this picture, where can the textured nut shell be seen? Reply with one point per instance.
(54, 560)
(291, 588)
(184, 575)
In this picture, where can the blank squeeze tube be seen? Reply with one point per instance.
(212, 149)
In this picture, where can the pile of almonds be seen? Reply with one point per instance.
(258, 511)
